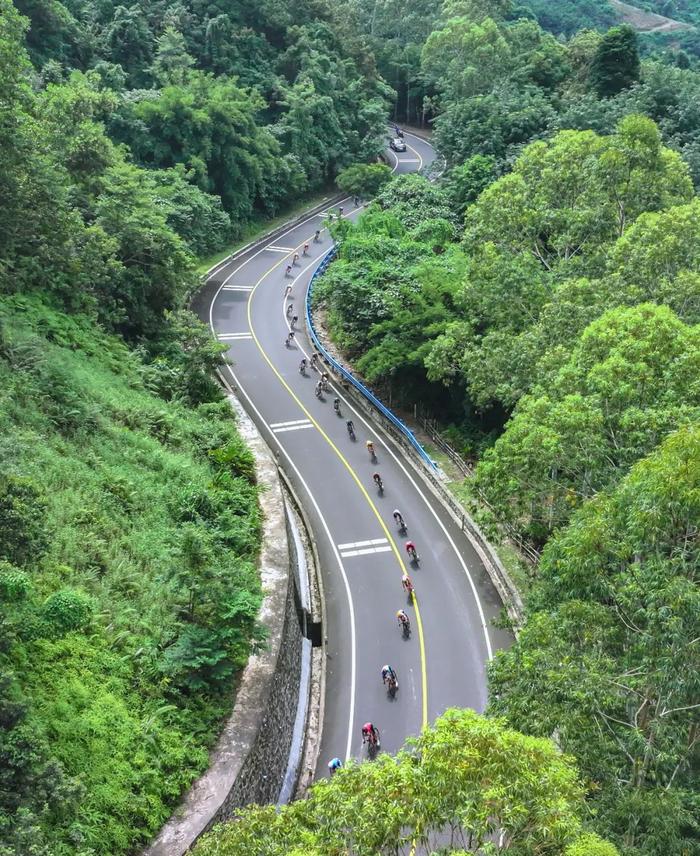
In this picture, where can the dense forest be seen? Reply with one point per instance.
(542, 299)
(134, 139)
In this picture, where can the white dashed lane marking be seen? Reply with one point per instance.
(293, 425)
(364, 548)
(234, 336)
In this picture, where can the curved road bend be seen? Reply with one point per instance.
(443, 663)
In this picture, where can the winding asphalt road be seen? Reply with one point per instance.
(443, 663)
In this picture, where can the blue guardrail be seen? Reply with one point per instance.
(343, 372)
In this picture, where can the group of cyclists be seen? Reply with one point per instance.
(370, 734)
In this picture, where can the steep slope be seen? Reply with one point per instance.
(128, 583)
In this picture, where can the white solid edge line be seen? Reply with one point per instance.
(353, 655)
(353, 677)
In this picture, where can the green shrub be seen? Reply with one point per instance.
(23, 534)
(67, 610)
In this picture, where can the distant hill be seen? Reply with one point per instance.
(568, 18)
(648, 22)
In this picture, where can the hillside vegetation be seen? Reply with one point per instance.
(542, 302)
(129, 532)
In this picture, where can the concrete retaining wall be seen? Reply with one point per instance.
(250, 759)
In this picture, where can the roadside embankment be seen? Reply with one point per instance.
(274, 698)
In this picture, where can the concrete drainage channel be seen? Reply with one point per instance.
(268, 748)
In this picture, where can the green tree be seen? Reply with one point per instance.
(363, 180)
(568, 197)
(464, 57)
(197, 217)
(465, 774)
(210, 126)
(658, 259)
(413, 199)
(608, 659)
(128, 41)
(629, 381)
(464, 183)
(155, 268)
(616, 63)
(172, 63)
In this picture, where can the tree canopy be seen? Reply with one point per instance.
(464, 781)
(609, 658)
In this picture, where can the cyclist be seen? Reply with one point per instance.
(389, 675)
(378, 481)
(340, 212)
(305, 251)
(314, 360)
(290, 309)
(295, 318)
(295, 260)
(356, 201)
(407, 584)
(370, 734)
(336, 405)
(404, 621)
(325, 380)
(351, 428)
(288, 270)
(319, 389)
(398, 518)
(290, 338)
(411, 550)
(302, 366)
(317, 236)
(334, 765)
(370, 448)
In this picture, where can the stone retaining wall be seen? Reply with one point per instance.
(251, 755)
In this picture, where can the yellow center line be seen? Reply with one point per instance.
(346, 463)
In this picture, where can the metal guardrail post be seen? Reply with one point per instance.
(347, 375)
(504, 585)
